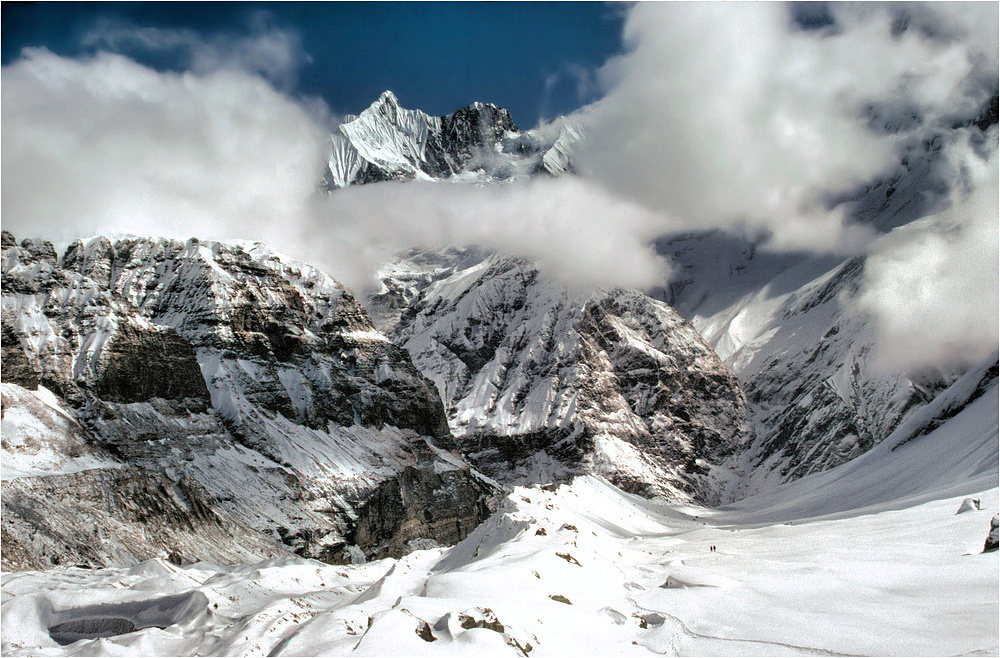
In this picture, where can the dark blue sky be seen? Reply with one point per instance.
(435, 56)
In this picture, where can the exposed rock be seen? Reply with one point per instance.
(480, 618)
(256, 379)
(993, 538)
(138, 364)
(419, 503)
(40, 249)
(569, 558)
(113, 516)
(67, 499)
(543, 381)
(424, 631)
(16, 368)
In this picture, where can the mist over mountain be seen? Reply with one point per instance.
(681, 371)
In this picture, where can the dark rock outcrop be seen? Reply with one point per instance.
(993, 538)
(143, 363)
(16, 368)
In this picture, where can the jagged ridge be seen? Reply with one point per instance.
(479, 142)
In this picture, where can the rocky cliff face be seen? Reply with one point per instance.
(256, 380)
(543, 381)
(68, 499)
(479, 142)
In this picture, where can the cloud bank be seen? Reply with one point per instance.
(106, 145)
(574, 230)
(725, 116)
(932, 285)
(733, 116)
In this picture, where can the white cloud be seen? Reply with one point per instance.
(573, 229)
(718, 116)
(106, 145)
(932, 285)
(269, 51)
(722, 115)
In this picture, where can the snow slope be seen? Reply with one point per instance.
(874, 562)
(786, 324)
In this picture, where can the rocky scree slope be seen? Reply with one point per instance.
(543, 381)
(254, 380)
(477, 143)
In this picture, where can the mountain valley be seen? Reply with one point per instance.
(213, 448)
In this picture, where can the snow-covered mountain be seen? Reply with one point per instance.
(787, 325)
(543, 381)
(223, 381)
(479, 142)
(783, 322)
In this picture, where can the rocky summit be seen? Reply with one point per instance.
(477, 143)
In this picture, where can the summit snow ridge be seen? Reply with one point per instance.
(476, 143)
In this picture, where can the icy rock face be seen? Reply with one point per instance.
(543, 381)
(258, 378)
(784, 324)
(68, 500)
(479, 142)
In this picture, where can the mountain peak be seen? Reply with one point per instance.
(387, 98)
(477, 142)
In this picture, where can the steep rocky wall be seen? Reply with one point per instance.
(544, 380)
(257, 379)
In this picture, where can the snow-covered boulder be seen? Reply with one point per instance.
(968, 505)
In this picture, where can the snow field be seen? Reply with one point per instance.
(639, 576)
